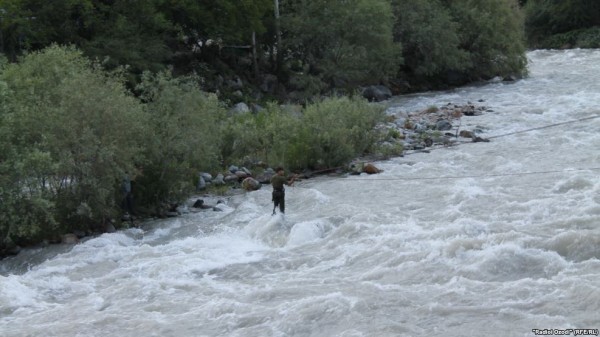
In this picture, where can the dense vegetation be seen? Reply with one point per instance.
(93, 90)
(563, 23)
(295, 51)
(70, 131)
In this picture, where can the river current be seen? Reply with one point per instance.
(481, 239)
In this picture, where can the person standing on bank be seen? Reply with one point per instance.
(277, 181)
(127, 201)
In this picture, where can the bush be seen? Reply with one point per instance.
(183, 138)
(342, 41)
(69, 131)
(324, 134)
(332, 132)
(491, 31)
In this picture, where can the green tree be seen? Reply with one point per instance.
(71, 130)
(340, 41)
(430, 40)
(552, 23)
(332, 132)
(492, 33)
(183, 138)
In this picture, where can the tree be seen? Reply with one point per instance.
(491, 32)
(71, 130)
(183, 138)
(341, 41)
(548, 18)
(430, 40)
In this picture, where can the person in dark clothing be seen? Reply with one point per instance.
(277, 181)
(127, 202)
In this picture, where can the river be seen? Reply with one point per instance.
(481, 239)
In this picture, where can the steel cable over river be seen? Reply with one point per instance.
(498, 252)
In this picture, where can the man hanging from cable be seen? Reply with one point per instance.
(277, 181)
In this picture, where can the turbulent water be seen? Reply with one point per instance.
(482, 239)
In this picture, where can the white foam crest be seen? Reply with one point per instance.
(308, 231)
(194, 255)
(270, 229)
(577, 245)
(509, 261)
(14, 294)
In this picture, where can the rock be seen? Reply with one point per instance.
(233, 169)
(201, 184)
(239, 109)
(466, 134)
(251, 184)
(377, 93)
(198, 203)
(265, 177)
(370, 169)
(109, 228)
(219, 180)
(248, 172)
(207, 176)
(443, 125)
(171, 214)
(242, 174)
(69, 239)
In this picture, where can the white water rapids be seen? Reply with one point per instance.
(488, 251)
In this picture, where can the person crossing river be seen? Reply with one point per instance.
(277, 181)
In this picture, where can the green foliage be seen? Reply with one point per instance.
(70, 131)
(325, 134)
(547, 18)
(429, 37)
(183, 137)
(342, 41)
(457, 41)
(262, 136)
(491, 32)
(332, 132)
(229, 21)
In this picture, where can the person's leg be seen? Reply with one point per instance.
(275, 202)
(282, 204)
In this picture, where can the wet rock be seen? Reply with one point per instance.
(69, 239)
(377, 93)
(251, 184)
(239, 109)
(109, 228)
(466, 134)
(371, 169)
(219, 179)
(443, 125)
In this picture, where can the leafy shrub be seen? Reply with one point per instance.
(183, 138)
(332, 132)
(70, 130)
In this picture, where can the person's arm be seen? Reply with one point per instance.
(291, 181)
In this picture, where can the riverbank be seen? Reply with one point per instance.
(403, 132)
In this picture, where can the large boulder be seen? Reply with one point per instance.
(251, 184)
(239, 109)
(370, 169)
(377, 93)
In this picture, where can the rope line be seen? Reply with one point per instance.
(546, 126)
(483, 175)
(435, 147)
